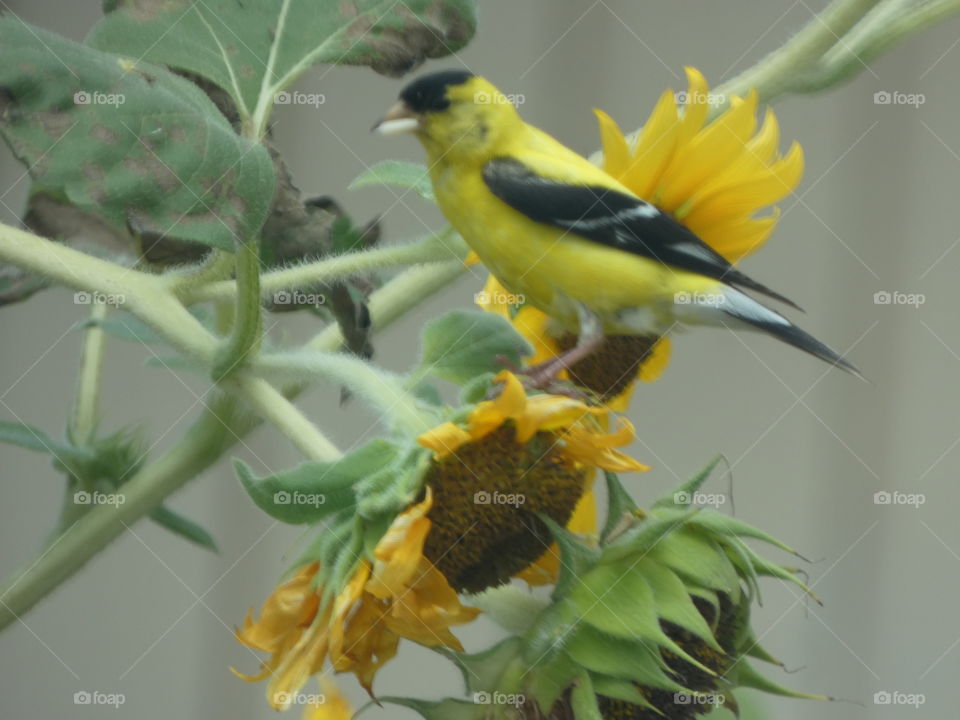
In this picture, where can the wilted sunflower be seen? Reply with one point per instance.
(652, 622)
(395, 594)
(713, 176)
(510, 462)
(407, 523)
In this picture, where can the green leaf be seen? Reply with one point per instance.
(399, 173)
(314, 490)
(482, 670)
(625, 659)
(583, 700)
(184, 527)
(743, 674)
(394, 486)
(31, 438)
(476, 389)
(699, 560)
(725, 525)
(464, 344)
(619, 504)
(617, 600)
(619, 690)
(575, 557)
(643, 537)
(129, 141)
(428, 393)
(446, 709)
(683, 495)
(674, 603)
(549, 680)
(255, 48)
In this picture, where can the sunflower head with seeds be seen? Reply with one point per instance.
(408, 522)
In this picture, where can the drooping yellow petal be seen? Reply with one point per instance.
(444, 439)
(399, 551)
(330, 706)
(597, 449)
(491, 414)
(551, 412)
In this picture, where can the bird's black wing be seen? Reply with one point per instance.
(614, 219)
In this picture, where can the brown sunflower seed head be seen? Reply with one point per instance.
(487, 498)
(610, 370)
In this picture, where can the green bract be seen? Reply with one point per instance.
(652, 621)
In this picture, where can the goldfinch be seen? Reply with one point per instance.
(565, 235)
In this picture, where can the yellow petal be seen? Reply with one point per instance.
(342, 607)
(708, 153)
(551, 412)
(597, 449)
(444, 439)
(400, 550)
(656, 361)
(654, 149)
(533, 324)
(333, 707)
(487, 416)
(615, 152)
(491, 298)
(471, 259)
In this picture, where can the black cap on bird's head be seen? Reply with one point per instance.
(429, 93)
(424, 95)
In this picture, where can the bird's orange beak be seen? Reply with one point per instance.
(399, 119)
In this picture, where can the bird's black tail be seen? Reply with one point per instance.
(759, 317)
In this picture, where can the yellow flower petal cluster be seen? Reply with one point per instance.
(579, 425)
(398, 595)
(713, 176)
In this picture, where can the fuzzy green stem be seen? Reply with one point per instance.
(140, 293)
(86, 402)
(200, 447)
(382, 390)
(777, 73)
(274, 407)
(244, 340)
(890, 23)
(217, 267)
(311, 274)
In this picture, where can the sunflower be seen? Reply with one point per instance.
(651, 621)
(713, 176)
(395, 594)
(510, 462)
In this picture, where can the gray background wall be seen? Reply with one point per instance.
(152, 618)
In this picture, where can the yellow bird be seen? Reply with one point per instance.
(565, 235)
